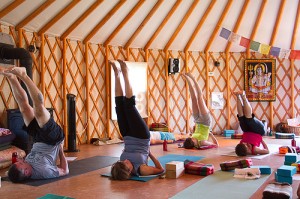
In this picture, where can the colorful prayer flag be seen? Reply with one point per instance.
(235, 38)
(275, 51)
(254, 45)
(225, 33)
(284, 53)
(245, 42)
(264, 49)
(295, 54)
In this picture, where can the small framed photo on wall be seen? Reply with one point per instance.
(260, 79)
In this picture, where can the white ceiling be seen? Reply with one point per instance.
(264, 31)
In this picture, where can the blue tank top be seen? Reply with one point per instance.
(136, 150)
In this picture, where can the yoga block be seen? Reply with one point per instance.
(287, 171)
(291, 157)
(174, 173)
(280, 178)
(283, 150)
(264, 169)
(228, 133)
(288, 163)
(174, 165)
(297, 165)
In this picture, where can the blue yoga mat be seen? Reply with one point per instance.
(223, 185)
(163, 160)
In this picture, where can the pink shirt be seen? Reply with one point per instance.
(252, 138)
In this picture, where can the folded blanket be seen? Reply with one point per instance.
(278, 190)
(247, 173)
(231, 165)
(198, 168)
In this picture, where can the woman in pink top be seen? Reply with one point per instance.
(252, 127)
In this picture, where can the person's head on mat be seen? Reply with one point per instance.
(134, 130)
(189, 143)
(121, 170)
(20, 171)
(241, 149)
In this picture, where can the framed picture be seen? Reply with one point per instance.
(260, 79)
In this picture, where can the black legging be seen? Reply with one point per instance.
(129, 120)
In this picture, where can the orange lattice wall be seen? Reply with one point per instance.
(62, 67)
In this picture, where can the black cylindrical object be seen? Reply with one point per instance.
(71, 123)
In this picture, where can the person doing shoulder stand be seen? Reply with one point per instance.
(201, 117)
(135, 132)
(47, 135)
(253, 129)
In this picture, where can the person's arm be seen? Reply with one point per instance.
(263, 151)
(63, 167)
(214, 139)
(150, 170)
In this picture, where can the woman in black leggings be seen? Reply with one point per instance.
(135, 132)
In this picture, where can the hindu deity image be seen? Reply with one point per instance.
(259, 78)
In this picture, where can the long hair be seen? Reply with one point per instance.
(119, 171)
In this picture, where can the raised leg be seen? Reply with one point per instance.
(128, 87)
(118, 86)
(19, 95)
(200, 100)
(195, 107)
(41, 114)
(247, 106)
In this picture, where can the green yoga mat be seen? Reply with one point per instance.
(223, 185)
(163, 160)
(79, 167)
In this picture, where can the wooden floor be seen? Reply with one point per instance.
(92, 185)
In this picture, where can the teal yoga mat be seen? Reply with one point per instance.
(163, 160)
(53, 196)
(223, 185)
(79, 167)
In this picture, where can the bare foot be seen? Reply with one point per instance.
(18, 71)
(4, 71)
(124, 67)
(237, 93)
(117, 71)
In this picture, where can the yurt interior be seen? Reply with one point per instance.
(67, 132)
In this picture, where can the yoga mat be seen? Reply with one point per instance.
(79, 167)
(163, 160)
(273, 148)
(52, 196)
(223, 185)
